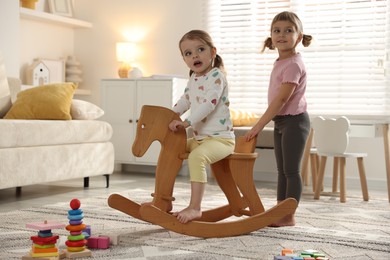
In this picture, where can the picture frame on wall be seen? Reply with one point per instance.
(61, 7)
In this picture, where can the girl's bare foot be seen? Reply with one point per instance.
(288, 220)
(187, 215)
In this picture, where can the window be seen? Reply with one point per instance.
(347, 62)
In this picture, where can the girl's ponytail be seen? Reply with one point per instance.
(218, 63)
(306, 40)
(268, 44)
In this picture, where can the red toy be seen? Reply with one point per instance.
(101, 242)
(75, 204)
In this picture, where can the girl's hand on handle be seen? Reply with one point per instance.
(252, 133)
(176, 125)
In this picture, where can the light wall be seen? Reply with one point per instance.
(157, 27)
(162, 24)
(9, 31)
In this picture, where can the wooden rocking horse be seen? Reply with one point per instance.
(234, 174)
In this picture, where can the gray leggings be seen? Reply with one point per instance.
(290, 134)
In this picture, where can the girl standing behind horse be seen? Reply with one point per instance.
(287, 106)
(206, 97)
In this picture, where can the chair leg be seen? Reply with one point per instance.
(335, 174)
(387, 155)
(318, 169)
(342, 179)
(363, 179)
(314, 170)
(320, 179)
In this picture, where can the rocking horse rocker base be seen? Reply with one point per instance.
(234, 174)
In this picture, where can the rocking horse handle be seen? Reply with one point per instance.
(243, 146)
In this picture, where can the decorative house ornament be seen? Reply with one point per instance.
(38, 74)
(44, 71)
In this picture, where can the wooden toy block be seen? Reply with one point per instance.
(101, 242)
(113, 238)
(287, 251)
(29, 257)
(282, 257)
(316, 255)
(45, 225)
(61, 255)
(310, 252)
(87, 231)
(84, 253)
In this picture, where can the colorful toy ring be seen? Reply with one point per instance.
(79, 243)
(76, 217)
(76, 249)
(75, 211)
(75, 228)
(76, 238)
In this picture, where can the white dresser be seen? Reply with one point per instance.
(122, 100)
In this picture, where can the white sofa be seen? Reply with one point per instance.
(41, 151)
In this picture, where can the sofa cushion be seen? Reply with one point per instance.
(83, 110)
(51, 101)
(265, 139)
(243, 118)
(27, 133)
(5, 95)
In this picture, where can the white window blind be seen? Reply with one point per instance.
(347, 62)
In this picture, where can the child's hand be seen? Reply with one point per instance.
(175, 125)
(251, 134)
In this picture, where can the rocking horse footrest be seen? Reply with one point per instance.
(232, 156)
(168, 198)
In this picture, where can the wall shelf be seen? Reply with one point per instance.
(30, 14)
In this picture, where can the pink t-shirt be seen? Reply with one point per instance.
(291, 70)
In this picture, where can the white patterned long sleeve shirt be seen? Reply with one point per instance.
(207, 98)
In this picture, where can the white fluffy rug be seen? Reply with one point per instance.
(354, 230)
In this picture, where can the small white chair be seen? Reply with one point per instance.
(331, 140)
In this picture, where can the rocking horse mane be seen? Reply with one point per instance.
(153, 125)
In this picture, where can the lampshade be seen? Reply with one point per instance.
(125, 51)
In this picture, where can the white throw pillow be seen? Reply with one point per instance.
(5, 94)
(83, 110)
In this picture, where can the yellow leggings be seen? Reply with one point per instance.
(206, 151)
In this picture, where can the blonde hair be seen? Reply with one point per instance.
(294, 19)
(206, 39)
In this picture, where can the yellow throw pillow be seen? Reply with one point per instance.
(51, 101)
(243, 118)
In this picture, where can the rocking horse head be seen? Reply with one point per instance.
(153, 125)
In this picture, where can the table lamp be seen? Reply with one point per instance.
(125, 53)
